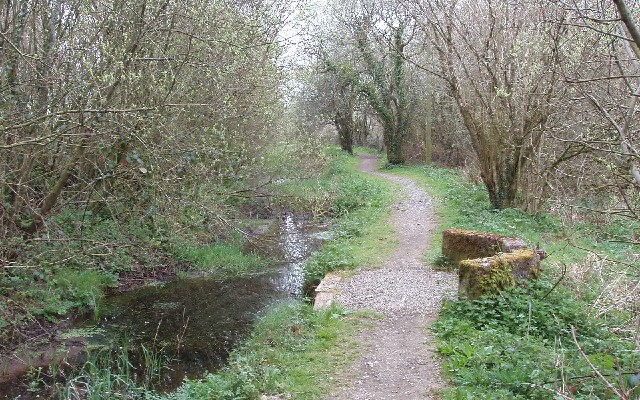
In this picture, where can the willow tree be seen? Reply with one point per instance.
(501, 62)
(122, 107)
(606, 76)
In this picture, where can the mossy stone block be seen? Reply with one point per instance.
(493, 274)
(461, 244)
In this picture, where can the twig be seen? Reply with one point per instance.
(615, 390)
(564, 272)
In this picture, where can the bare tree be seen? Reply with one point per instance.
(501, 62)
(607, 79)
(122, 107)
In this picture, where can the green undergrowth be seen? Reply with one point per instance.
(521, 344)
(224, 259)
(70, 269)
(292, 350)
(362, 235)
(337, 191)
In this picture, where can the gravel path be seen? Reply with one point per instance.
(399, 360)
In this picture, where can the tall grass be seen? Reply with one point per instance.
(112, 373)
(222, 258)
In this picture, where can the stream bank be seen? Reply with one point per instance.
(295, 353)
(292, 351)
(192, 323)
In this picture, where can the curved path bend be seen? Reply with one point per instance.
(399, 359)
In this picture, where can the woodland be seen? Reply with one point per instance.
(135, 132)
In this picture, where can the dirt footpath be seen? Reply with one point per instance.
(399, 359)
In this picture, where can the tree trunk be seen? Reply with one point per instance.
(393, 144)
(344, 124)
(346, 139)
(428, 131)
(501, 178)
(52, 197)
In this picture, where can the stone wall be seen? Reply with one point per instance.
(461, 244)
(488, 263)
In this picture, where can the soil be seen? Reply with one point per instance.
(399, 360)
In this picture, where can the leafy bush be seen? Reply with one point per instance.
(80, 289)
(519, 345)
(532, 310)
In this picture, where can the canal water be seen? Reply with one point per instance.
(196, 322)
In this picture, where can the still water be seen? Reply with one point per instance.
(194, 322)
(198, 321)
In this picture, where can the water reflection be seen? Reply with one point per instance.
(297, 240)
(198, 321)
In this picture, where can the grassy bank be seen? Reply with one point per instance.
(293, 350)
(570, 335)
(361, 235)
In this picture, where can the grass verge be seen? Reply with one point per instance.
(539, 341)
(292, 350)
(362, 235)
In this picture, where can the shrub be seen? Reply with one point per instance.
(519, 345)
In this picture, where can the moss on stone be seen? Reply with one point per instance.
(493, 274)
(461, 244)
(488, 263)
(525, 264)
(498, 277)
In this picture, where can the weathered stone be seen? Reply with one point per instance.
(492, 274)
(460, 244)
(326, 291)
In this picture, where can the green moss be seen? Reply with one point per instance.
(485, 276)
(491, 275)
(499, 277)
(523, 258)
